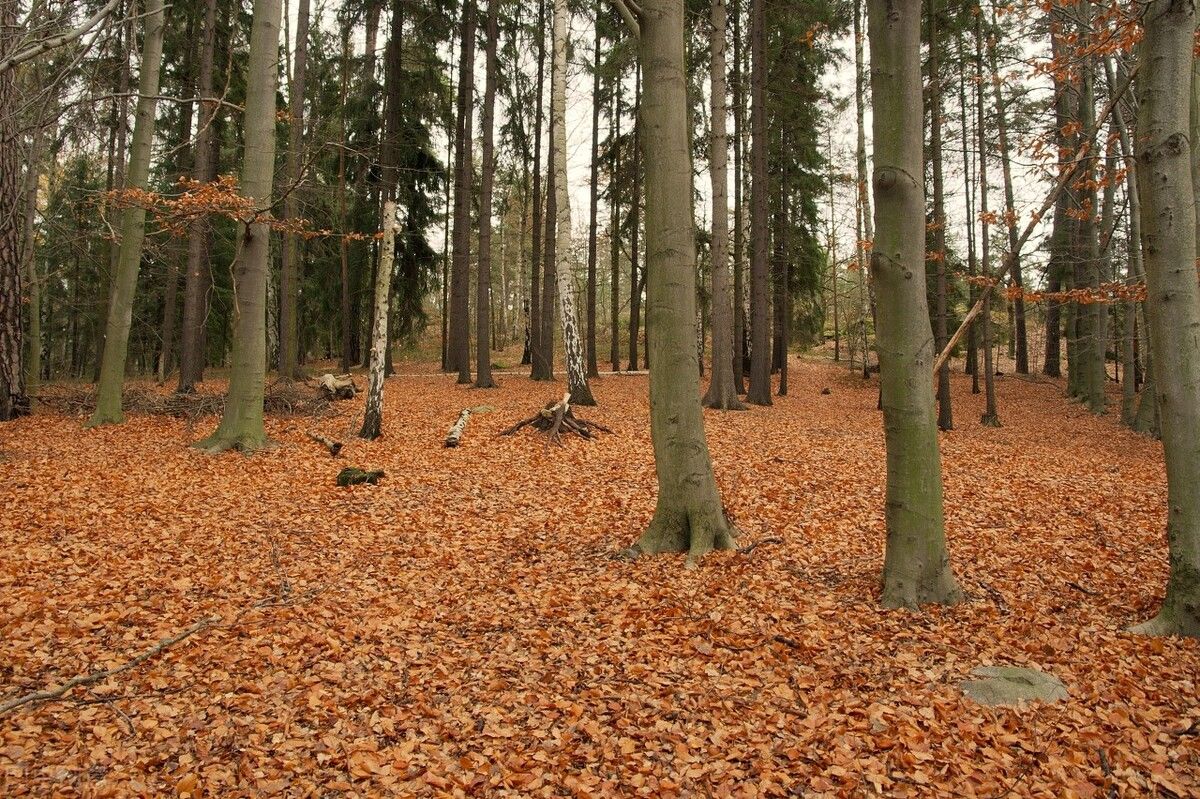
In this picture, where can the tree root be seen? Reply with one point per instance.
(556, 418)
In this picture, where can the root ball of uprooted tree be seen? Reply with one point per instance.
(556, 418)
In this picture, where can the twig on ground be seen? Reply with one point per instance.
(747, 550)
(99, 676)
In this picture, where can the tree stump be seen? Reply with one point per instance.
(557, 417)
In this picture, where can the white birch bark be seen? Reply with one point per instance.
(373, 415)
(577, 382)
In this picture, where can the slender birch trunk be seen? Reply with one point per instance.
(577, 373)
(372, 426)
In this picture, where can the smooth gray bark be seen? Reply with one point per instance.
(1173, 293)
(916, 567)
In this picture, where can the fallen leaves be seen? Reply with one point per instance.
(461, 629)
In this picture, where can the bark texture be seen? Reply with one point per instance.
(241, 424)
(577, 374)
(1173, 293)
(760, 330)
(133, 227)
(916, 564)
(372, 426)
(722, 392)
(688, 516)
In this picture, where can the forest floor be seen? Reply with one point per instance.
(463, 629)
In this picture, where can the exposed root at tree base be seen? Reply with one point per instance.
(247, 445)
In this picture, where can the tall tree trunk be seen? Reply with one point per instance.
(1134, 272)
(117, 168)
(760, 331)
(347, 318)
(186, 154)
(945, 416)
(538, 367)
(483, 279)
(549, 248)
(1061, 231)
(916, 566)
(688, 516)
(593, 367)
(460, 272)
(990, 417)
(29, 272)
(133, 226)
(372, 426)
(614, 226)
(14, 399)
(785, 277)
(1173, 294)
(289, 276)
(453, 140)
(969, 199)
(1093, 333)
(722, 392)
(1019, 338)
(864, 193)
(739, 227)
(241, 424)
(577, 381)
(635, 223)
(198, 275)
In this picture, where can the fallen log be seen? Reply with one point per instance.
(459, 427)
(334, 447)
(557, 417)
(456, 430)
(336, 387)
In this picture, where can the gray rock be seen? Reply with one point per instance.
(1009, 685)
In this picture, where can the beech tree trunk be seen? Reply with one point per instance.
(916, 564)
(688, 516)
(289, 275)
(722, 392)
(133, 226)
(1173, 293)
(241, 424)
(372, 426)
(577, 374)
(760, 330)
